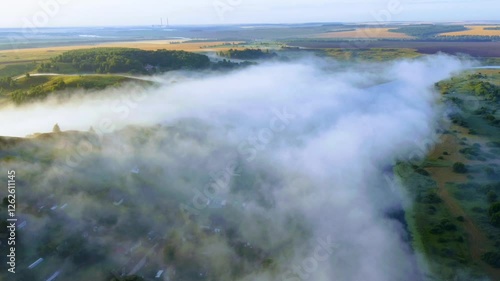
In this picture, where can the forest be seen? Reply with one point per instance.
(35, 88)
(125, 60)
(247, 54)
(427, 30)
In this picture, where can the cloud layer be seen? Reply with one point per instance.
(291, 156)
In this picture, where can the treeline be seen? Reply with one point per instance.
(39, 90)
(427, 30)
(492, 28)
(247, 54)
(227, 65)
(35, 93)
(373, 54)
(126, 60)
(467, 38)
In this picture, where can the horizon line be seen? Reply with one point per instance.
(266, 23)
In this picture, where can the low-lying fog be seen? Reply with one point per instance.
(300, 149)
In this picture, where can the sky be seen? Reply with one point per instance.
(57, 13)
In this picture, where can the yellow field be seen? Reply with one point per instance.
(369, 32)
(28, 55)
(474, 30)
(180, 46)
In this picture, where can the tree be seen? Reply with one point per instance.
(492, 196)
(490, 172)
(492, 258)
(459, 168)
(495, 219)
(127, 278)
(494, 208)
(28, 75)
(59, 85)
(56, 129)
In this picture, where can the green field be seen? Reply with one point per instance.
(16, 69)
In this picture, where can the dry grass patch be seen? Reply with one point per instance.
(36, 54)
(474, 30)
(368, 32)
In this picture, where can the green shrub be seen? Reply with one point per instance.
(459, 168)
(492, 258)
(492, 196)
(431, 198)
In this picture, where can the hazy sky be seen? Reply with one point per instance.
(48, 13)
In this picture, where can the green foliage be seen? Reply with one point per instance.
(444, 226)
(463, 38)
(127, 60)
(127, 278)
(483, 87)
(492, 196)
(372, 54)
(494, 208)
(487, 90)
(20, 96)
(492, 28)
(431, 198)
(16, 69)
(471, 152)
(494, 213)
(47, 67)
(38, 88)
(226, 64)
(7, 83)
(495, 219)
(495, 144)
(492, 258)
(421, 171)
(474, 98)
(435, 231)
(459, 168)
(427, 30)
(247, 54)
